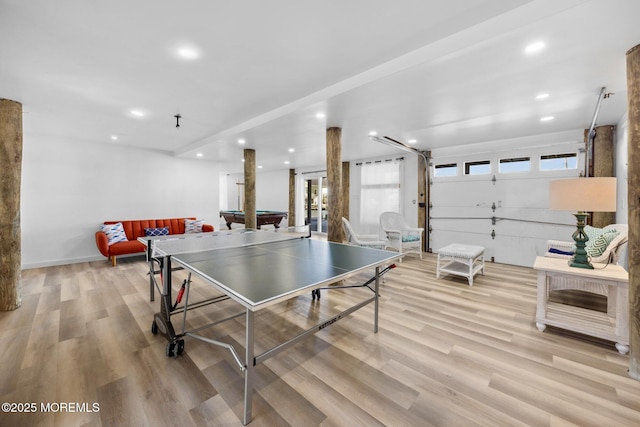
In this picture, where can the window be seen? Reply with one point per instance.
(449, 169)
(380, 192)
(482, 167)
(558, 162)
(516, 164)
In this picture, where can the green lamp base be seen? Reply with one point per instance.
(580, 258)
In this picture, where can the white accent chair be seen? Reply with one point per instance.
(399, 235)
(365, 240)
(611, 254)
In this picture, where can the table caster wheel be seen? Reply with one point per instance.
(170, 349)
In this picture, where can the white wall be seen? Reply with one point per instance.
(70, 188)
(272, 191)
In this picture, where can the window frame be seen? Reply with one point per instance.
(571, 155)
(468, 165)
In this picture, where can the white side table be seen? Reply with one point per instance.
(611, 281)
(461, 260)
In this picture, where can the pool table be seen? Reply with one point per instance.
(262, 217)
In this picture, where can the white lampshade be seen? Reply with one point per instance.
(583, 194)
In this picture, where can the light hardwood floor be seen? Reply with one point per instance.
(446, 354)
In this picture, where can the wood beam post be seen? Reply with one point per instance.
(633, 110)
(292, 198)
(603, 167)
(250, 220)
(334, 184)
(10, 176)
(346, 166)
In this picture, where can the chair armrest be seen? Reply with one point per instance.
(561, 245)
(396, 233)
(102, 242)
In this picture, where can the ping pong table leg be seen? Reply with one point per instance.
(250, 369)
(151, 272)
(375, 304)
(162, 319)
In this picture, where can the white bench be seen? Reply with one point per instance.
(461, 260)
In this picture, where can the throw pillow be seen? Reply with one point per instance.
(115, 233)
(596, 247)
(593, 232)
(193, 226)
(156, 231)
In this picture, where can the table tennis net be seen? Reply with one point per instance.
(217, 240)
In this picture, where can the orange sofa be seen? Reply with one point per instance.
(133, 230)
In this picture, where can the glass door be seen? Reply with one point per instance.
(316, 204)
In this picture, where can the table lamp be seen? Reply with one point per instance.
(582, 195)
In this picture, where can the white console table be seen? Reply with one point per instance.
(611, 281)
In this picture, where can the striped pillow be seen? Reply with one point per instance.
(115, 233)
(193, 226)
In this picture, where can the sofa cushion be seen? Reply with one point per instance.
(115, 233)
(162, 231)
(193, 226)
(128, 247)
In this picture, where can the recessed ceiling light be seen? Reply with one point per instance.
(137, 113)
(188, 52)
(114, 137)
(259, 166)
(241, 141)
(320, 116)
(373, 133)
(412, 141)
(286, 162)
(534, 47)
(542, 96)
(547, 119)
(242, 160)
(199, 154)
(291, 150)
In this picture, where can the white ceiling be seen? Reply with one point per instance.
(442, 72)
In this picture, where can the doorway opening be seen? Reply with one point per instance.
(316, 197)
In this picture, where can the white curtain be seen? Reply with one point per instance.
(380, 192)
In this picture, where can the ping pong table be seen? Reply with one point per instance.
(256, 269)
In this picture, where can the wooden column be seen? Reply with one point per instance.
(603, 156)
(250, 220)
(292, 198)
(345, 189)
(334, 184)
(10, 175)
(633, 110)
